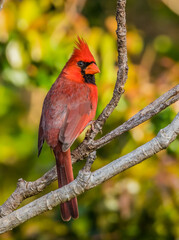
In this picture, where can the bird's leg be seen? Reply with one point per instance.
(92, 124)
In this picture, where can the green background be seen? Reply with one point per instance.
(36, 40)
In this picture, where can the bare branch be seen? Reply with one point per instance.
(121, 75)
(146, 113)
(87, 180)
(27, 189)
(143, 115)
(89, 161)
(160, 142)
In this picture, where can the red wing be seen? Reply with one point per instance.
(77, 118)
(66, 112)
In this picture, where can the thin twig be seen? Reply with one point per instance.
(121, 75)
(89, 161)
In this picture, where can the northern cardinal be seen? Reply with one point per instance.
(68, 108)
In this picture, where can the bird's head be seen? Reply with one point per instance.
(81, 67)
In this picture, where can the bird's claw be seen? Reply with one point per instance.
(92, 122)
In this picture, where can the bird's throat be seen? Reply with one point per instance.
(89, 78)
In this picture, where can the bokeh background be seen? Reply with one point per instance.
(36, 40)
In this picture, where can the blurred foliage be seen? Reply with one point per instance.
(36, 40)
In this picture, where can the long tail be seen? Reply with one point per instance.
(65, 175)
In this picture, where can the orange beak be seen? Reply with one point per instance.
(92, 69)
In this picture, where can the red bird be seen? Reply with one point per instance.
(68, 108)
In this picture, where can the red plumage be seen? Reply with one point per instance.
(67, 109)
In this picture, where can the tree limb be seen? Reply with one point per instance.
(143, 115)
(87, 180)
(27, 189)
(146, 113)
(121, 74)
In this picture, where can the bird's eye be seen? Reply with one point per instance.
(80, 64)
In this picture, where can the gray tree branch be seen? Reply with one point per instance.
(87, 180)
(143, 115)
(121, 74)
(27, 189)
(146, 113)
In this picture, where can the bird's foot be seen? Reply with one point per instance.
(92, 122)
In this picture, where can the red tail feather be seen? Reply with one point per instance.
(65, 175)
